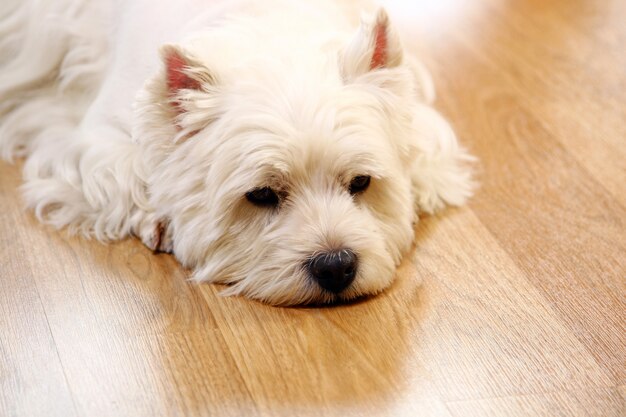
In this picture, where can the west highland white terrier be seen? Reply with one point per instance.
(274, 146)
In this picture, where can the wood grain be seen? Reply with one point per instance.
(512, 306)
(597, 403)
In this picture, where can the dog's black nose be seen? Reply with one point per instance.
(335, 270)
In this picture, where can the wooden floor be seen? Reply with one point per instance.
(513, 306)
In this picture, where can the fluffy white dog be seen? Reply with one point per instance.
(270, 145)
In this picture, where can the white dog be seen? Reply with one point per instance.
(270, 145)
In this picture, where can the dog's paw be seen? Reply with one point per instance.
(157, 235)
(443, 171)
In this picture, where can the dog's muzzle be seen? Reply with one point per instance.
(334, 271)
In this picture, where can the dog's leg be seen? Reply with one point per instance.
(440, 173)
(155, 232)
(86, 179)
(91, 182)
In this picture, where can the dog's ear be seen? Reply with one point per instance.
(177, 101)
(376, 45)
(183, 72)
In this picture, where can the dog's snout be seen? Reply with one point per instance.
(334, 271)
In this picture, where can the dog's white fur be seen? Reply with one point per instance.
(286, 96)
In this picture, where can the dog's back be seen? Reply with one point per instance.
(53, 54)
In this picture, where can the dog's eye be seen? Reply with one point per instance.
(263, 197)
(359, 184)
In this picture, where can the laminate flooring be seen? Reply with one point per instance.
(511, 306)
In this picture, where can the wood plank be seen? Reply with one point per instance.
(571, 74)
(32, 381)
(502, 335)
(590, 403)
(546, 211)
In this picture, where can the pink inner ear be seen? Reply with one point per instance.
(379, 57)
(176, 77)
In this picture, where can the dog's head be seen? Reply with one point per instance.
(286, 176)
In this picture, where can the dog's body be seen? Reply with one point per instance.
(271, 146)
